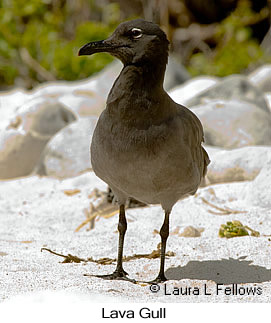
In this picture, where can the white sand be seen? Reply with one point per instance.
(35, 213)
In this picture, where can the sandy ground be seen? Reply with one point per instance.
(35, 213)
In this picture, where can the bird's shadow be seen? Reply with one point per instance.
(224, 271)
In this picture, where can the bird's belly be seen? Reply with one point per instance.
(154, 185)
(151, 177)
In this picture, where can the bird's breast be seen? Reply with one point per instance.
(146, 164)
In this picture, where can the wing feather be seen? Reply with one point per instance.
(195, 137)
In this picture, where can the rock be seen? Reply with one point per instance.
(185, 92)
(85, 97)
(212, 150)
(267, 97)
(44, 117)
(26, 133)
(233, 124)
(176, 74)
(19, 153)
(261, 78)
(191, 232)
(83, 103)
(235, 87)
(241, 164)
(67, 154)
(11, 100)
(259, 191)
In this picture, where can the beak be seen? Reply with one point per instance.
(95, 47)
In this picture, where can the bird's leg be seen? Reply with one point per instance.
(119, 272)
(164, 233)
(122, 227)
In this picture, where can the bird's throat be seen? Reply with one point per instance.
(137, 98)
(138, 80)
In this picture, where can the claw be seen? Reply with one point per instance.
(159, 279)
(116, 275)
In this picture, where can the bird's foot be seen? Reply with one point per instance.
(159, 279)
(116, 275)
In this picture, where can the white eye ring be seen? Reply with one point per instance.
(136, 33)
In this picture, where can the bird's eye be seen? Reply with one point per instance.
(136, 33)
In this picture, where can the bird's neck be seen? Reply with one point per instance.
(148, 74)
(137, 95)
(138, 80)
(144, 75)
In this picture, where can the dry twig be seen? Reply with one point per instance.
(108, 261)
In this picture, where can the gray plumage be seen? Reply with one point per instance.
(145, 145)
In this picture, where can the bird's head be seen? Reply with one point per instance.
(134, 42)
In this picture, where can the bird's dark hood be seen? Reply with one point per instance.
(133, 42)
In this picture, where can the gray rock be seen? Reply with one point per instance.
(241, 164)
(183, 93)
(85, 97)
(233, 124)
(261, 78)
(235, 87)
(28, 131)
(45, 118)
(176, 74)
(68, 152)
